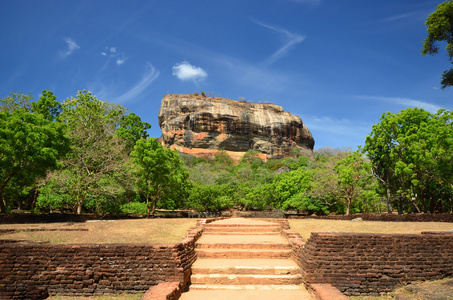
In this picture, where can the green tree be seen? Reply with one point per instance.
(261, 197)
(412, 156)
(96, 151)
(439, 25)
(252, 157)
(159, 173)
(205, 197)
(15, 102)
(132, 129)
(47, 106)
(30, 145)
(222, 158)
(354, 176)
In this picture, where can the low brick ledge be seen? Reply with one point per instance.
(326, 292)
(163, 291)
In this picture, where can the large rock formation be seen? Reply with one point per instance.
(196, 121)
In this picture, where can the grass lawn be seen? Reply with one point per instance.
(306, 226)
(105, 232)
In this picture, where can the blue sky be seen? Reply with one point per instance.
(338, 64)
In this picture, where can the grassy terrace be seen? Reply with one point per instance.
(173, 230)
(104, 232)
(306, 226)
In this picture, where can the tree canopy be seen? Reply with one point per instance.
(30, 144)
(159, 173)
(412, 157)
(439, 25)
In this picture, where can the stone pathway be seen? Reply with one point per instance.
(244, 259)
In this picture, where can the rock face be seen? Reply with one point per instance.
(196, 121)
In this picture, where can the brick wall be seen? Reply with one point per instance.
(297, 245)
(384, 217)
(374, 263)
(260, 214)
(30, 271)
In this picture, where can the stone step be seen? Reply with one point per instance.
(263, 287)
(246, 266)
(246, 292)
(243, 253)
(240, 233)
(248, 229)
(221, 241)
(264, 224)
(245, 279)
(242, 246)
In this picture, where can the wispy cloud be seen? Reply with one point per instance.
(149, 76)
(113, 53)
(241, 72)
(405, 102)
(340, 132)
(291, 39)
(396, 18)
(185, 71)
(72, 46)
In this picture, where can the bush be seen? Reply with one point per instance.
(134, 208)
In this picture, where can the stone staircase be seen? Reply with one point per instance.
(244, 254)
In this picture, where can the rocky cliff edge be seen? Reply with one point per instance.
(195, 122)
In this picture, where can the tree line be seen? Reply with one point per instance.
(86, 155)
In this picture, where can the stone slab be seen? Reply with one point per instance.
(265, 293)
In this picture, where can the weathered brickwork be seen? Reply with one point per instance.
(374, 263)
(297, 245)
(384, 217)
(163, 291)
(30, 271)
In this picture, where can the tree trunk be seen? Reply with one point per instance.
(2, 204)
(412, 199)
(2, 187)
(35, 198)
(80, 204)
(147, 207)
(451, 205)
(389, 205)
(154, 207)
(348, 205)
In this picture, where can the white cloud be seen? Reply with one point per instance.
(72, 46)
(291, 39)
(185, 71)
(150, 75)
(120, 61)
(405, 102)
(113, 53)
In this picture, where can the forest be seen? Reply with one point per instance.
(84, 155)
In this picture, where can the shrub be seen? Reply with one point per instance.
(134, 208)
